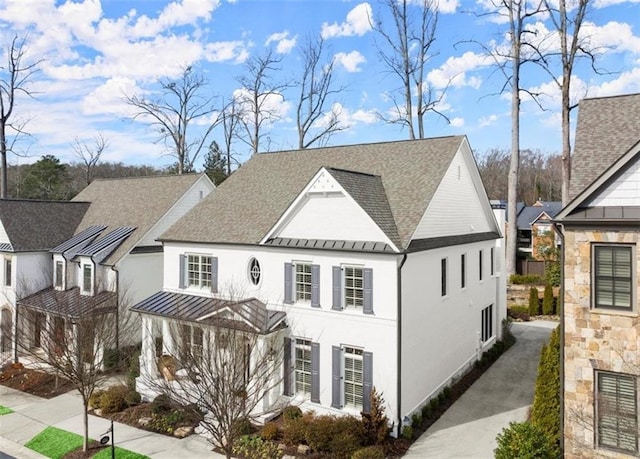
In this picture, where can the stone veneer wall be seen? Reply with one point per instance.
(594, 340)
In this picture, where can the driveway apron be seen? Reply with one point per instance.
(501, 395)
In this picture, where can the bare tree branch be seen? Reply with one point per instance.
(89, 156)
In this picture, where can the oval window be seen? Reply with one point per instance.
(254, 271)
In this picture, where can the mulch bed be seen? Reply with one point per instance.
(34, 382)
(94, 448)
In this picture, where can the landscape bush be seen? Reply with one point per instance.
(110, 359)
(340, 436)
(243, 426)
(375, 424)
(547, 300)
(114, 399)
(255, 447)
(94, 399)
(269, 431)
(524, 440)
(407, 432)
(133, 370)
(369, 452)
(552, 272)
(519, 313)
(534, 302)
(162, 404)
(291, 412)
(526, 279)
(294, 430)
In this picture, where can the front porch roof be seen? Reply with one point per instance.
(70, 303)
(249, 314)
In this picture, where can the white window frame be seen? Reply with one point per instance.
(615, 415)
(58, 271)
(8, 272)
(463, 271)
(596, 279)
(444, 277)
(302, 366)
(193, 347)
(487, 326)
(83, 266)
(492, 258)
(350, 376)
(301, 294)
(197, 275)
(352, 300)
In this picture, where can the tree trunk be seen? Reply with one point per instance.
(3, 155)
(85, 421)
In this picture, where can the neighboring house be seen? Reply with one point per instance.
(601, 326)
(379, 264)
(108, 256)
(536, 238)
(28, 230)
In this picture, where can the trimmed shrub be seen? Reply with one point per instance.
(416, 420)
(269, 431)
(291, 412)
(426, 411)
(132, 398)
(255, 447)
(111, 359)
(534, 302)
(528, 279)
(552, 273)
(545, 411)
(519, 313)
(294, 430)
(407, 432)
(547, 300)
(94, 400)
(162, 404)
(375, 424)
(341, 436)
(113, 399)
(243, 427)
(369, 452)
(134, 370)
(507, 336)
(524, 440)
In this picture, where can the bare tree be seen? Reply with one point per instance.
(259, 97)
(316, 85)
(184, 101)
(223, 366)
(89, 156)
(408, 42)
(15, 77)
(231, 119)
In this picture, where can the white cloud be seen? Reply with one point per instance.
(614, 36)
(487, 120)
(606, 3)
(350, 61)
(627, 82)
(453, 71)
(358, 22)
(348, 118)
(457, 122)
(284, 43)
(273, 105)
(224, 51)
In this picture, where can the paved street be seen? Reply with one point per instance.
(503, 394)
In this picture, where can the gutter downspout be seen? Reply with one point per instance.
(114, 269)
(399, 346)
(560, 232)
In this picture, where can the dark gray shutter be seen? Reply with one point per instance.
(367, 281)
(287, 367)
(315, 286)
(288, 283)
(182, 283)
(336, 377)
(315, 372)
(214, 274)
(337, 288)
(367, 380)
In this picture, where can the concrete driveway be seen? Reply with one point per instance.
(501, 395)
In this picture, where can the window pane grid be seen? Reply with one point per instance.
(303, 282)
(617, 412)
(613, 277)
(199, 271)
(353, 287)
(303, 366)
(353, 377)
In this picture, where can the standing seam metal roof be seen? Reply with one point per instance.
(249, 203)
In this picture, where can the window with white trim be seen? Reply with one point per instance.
(7, 272)
(443, 277)
(616, 411)
(353, 377)
(613, 274)
(303, 281)
(199, 271)
(303, 366)
(353, 286)
(59, 274)
(192, 342)
(87, 278)
(486, 324)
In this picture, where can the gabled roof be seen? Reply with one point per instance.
(137, 202)
(39, 225)
(104, 246)
(249, 203)
(530, 214)
(83, 237)
(607, 128)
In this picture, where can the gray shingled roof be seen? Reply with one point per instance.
(136, 202)
(607, 128)
(249, 203)
(529, 213)
(40, 225)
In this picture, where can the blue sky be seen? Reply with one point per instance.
(96, 51)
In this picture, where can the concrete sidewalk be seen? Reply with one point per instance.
(501, 395)
(33, 414)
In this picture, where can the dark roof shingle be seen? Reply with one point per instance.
(249, 203)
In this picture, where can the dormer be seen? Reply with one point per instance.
(59, 272)
(87, 276)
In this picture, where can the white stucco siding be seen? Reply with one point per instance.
(440, 335)
(140, 276)
(4, 237)
(456, 207)
(375, 333)
(332, 216)
(31, 272)
(193, 196)
(624, 191)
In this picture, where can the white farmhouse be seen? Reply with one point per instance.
(380, 260)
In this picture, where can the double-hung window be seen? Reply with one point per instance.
(87, 278)
(192, 342)
(303, 282)
(353, 287)
(199, 271)
(613, 273)
(303, 366)
(353, 377)
(59, 274)
(617, 411)
(486, 323)
(7, 272)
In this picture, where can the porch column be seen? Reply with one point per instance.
(148, 366)
(49, 342)
(168, 344)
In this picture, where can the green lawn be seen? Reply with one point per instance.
(5, 410)
(55, 443)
